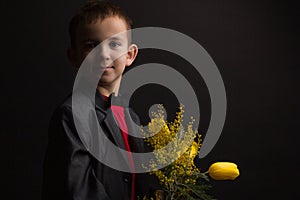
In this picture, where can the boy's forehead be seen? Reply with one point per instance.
(102, 29)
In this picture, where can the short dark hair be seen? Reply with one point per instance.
(93, 10)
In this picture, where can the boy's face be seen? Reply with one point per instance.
(115, 53)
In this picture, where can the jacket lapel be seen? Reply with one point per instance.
(111, 124)
(107, 119)
(136, 144)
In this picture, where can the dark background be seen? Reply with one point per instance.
(255, 45)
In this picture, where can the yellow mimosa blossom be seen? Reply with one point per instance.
(179, 175)
(194, 150)
(175, 148)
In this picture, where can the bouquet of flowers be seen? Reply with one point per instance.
(181, 179)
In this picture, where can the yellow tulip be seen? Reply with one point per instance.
(223, 171)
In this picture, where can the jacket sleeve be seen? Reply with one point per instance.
(68, 171)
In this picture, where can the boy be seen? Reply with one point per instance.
(70, 171)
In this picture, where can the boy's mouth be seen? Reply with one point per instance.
(108, 68)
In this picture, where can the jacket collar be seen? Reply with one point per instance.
(101, 103)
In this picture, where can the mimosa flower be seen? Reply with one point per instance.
(194, 150)
(180, 178)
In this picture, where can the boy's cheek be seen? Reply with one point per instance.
(118, 57)
(82, 56)
(118, 54)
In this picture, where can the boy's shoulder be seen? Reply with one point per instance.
(65, 106)
(66, 103)
(62, 109)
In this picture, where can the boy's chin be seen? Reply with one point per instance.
(104, 82)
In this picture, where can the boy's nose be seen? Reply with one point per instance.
(104, 53)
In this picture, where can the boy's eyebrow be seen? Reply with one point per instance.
(90, 40)
(115, 38)
(96, 40)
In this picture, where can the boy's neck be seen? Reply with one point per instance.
(108, 90)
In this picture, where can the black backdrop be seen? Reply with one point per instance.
(255, 45)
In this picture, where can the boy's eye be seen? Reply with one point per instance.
(114, 44)
(91, 45)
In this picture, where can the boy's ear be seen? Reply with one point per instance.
(131, 54)
(71, 53)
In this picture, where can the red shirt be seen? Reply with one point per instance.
(118, 112)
